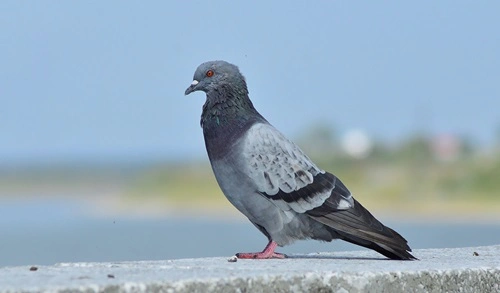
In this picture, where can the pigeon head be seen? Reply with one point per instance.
(217, 76)
(227, 102)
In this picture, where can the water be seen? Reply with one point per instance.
(45, 232)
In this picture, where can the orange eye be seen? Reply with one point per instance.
(210, 73)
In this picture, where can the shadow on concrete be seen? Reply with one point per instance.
(322, 256)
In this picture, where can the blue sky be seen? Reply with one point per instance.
(105, 79)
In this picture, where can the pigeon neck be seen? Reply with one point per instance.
(224, 120)
(227, 108)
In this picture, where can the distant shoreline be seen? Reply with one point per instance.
(106, 201)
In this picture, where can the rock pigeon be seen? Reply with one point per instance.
(272, 181)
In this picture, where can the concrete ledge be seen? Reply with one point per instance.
(475, 269)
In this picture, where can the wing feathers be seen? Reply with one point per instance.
(286, 176)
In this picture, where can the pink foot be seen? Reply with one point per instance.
(267, 253)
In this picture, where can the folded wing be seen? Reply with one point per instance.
(285, 175)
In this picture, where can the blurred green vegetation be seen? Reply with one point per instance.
(438, 176)
(408, 177)
(178, 184)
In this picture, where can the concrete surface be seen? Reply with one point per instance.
(475, 269)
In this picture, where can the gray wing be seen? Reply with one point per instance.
(287, 177)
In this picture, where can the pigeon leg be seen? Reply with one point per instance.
(268, 252)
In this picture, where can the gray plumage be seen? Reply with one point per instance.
(271, 181)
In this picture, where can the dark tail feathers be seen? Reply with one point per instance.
(358, 226)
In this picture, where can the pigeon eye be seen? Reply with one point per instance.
(210, 73)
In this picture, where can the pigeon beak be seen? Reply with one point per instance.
(191, 88)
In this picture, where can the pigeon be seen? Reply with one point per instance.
(272, 181)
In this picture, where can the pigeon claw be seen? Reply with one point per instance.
(267, 253)
(259, 255)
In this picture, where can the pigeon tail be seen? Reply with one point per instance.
(358, 226)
